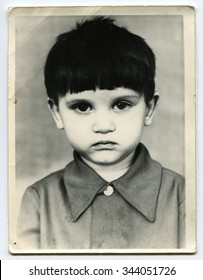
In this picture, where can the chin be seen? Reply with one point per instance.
(105, 160)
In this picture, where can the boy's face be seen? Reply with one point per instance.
(103, 126)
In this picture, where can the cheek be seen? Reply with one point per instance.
(76, 131)
(132, 125)
(72, 130)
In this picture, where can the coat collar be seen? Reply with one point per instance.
(139, 186)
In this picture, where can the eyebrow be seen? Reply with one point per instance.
(80, 100)
(77, 99)
(127, 97)
(131, 98)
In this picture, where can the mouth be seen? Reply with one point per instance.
(104, 145)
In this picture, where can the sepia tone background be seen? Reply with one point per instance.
(40, 147)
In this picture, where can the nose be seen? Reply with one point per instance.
(103, 123)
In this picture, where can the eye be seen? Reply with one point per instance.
(82, 107)
(121, 105)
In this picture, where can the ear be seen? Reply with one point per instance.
(151, 109)
(55, 113)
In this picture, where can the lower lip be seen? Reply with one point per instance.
(104, 146)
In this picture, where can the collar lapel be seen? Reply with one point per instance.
(140, 185)
(82, 185)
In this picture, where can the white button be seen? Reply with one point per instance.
(109, 191)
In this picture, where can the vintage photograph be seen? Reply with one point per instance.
(102, 130)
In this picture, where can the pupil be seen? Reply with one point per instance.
(83, 107)
(121, 105)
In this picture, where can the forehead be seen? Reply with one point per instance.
(103, 93)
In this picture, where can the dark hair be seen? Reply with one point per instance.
(99, 54)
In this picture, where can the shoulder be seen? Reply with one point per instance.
(172, 176)
(49, 184)
(174, 183)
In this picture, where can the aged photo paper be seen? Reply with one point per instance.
(37, 148)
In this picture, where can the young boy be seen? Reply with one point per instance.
(100, 84)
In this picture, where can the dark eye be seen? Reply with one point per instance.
(121, 105)
(82, 107)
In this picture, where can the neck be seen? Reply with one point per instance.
(111, 172)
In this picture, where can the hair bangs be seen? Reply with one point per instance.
(99, 54)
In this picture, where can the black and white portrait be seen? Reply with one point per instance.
(101, 130)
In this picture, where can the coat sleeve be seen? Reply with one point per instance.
(29, 221)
